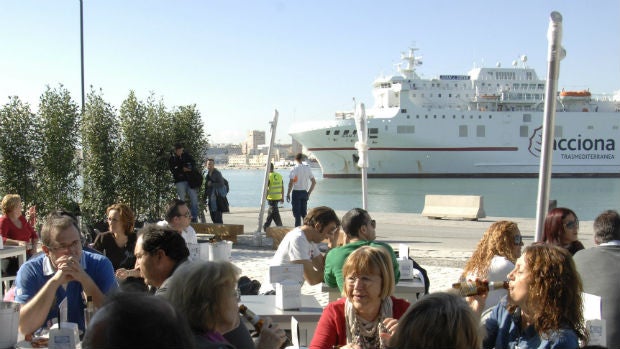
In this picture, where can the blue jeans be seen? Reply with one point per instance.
(299, 201)
(182, 189)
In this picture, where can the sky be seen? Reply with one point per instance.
(239, 61)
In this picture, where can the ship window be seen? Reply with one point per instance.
(327, 132)
(524, 131)
(479, 116)
(480, 131)
(336, 132)
(354, 132)
(443, 116)
(450, 95)
(408, 116)
(471, 116)
(490, 116)
(426, 116)
(527, 117)
(462, 116)
(434, 116)
(463, 131)
(404, 111)
(453, 116)
(417, 116)
(439, 95)
(558, 131)
(373, 132)
(346, 133)
(590, 127)
(405, 129)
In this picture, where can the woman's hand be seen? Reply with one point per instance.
(476, 303)
(387, 330)
(271, 336)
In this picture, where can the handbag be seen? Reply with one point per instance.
(222, 203)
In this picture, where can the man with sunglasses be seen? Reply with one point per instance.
(359, 229)
(63, 272)
(179, 219)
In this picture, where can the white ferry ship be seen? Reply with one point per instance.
(487, 123)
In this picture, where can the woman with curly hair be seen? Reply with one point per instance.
(561, 229)
(543, 309)
(495, 257)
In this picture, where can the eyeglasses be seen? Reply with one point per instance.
(364, 279)
(572, 224)
(72, 246)
(237, 294)
(518, 240)
(372, 223)
(110, 219)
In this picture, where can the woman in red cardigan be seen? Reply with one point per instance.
(367, 315)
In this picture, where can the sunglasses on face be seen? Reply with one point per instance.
(518, 240)
(572, 224)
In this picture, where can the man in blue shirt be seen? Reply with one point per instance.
(62, 271)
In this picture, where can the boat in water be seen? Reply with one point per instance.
(487, 123)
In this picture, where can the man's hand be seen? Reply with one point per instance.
(69, 269)
(288, 197)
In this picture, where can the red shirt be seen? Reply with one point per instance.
(10, 231)
(332, 327)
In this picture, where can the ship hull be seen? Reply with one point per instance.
(456, 144)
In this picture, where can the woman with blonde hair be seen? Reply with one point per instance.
(544, 308)
(495, 257)
(207, 293)
(438, 320)
(14, 228)
(368, 314)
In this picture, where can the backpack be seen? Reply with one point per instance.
(226, 184)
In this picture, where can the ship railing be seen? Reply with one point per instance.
(340, 115)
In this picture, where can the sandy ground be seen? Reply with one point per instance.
(443, 267)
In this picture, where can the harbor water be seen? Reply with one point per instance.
(503, 197)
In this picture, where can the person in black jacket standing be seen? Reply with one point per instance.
(181, 165)
(216, 186)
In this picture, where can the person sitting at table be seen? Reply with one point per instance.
(359, 229)
(368, 314)
(438, 320)
(495, 257)
(543, 308)
(160, 253)
(299, 246)
(179, 219)
(561, 228)
(126, 320)
(62, 271)
(207, 293)
(119, 242)
(15, 230)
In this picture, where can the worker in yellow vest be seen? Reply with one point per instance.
(274, 196)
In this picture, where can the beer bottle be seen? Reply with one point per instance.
(472, 288)
(254, 319)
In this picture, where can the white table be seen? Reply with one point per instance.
(11, 251)
(405, 289)
(266, 306)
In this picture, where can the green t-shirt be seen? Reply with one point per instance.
(337, 256)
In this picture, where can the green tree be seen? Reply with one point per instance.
(159, 133)
(100, 137)
(58, 166)
(19, 147)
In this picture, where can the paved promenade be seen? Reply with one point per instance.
(440, 246)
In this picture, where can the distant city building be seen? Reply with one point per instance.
(254, 139)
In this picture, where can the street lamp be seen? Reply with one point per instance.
(82, 50)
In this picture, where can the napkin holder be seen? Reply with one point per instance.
(405, 264)
(288, 295)
(64, 337)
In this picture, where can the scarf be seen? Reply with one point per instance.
(366, 333)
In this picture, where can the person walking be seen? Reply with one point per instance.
(216, 186)
(274, 196)
(299, 178)
(181, 165)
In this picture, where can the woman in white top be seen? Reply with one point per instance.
(495, 257)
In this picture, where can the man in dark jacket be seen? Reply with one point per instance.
(182, 165)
